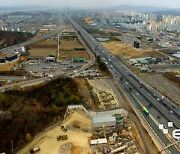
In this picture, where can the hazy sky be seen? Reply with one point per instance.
(91, 3)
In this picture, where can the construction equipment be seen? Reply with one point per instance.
(35, 149)
(64, 129)
(62, 137)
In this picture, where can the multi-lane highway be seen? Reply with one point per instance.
(161, 109)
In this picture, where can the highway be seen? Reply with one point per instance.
(140, 92)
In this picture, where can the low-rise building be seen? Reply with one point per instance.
(11, 57)
(50, 59)
(102, 39)
(103, 121)
(78, 60)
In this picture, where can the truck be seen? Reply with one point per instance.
(145, 110)
(62, 137)
(35, 149)
(50, 76)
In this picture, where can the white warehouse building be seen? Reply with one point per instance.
(103, 120)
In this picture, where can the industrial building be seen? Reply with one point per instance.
(50, 59)
(177, 55)
(102, 39)
(146, 60)
(103, 121)
(12, 56)
(79, 49)
(78, 60)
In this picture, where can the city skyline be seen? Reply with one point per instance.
(92, 3)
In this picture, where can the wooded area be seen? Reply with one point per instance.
(25, 113)
(13, 38)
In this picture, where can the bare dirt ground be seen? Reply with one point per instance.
(67, 50)
(135, 134)
(43, 49)
(85, 92)
(163, 85)
(124, 50)
(107, 93)
(7, 66)
(77, 142)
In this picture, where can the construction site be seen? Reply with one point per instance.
(85, 132)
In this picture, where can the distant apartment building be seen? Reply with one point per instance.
(152, 17)
(19, 16)
(170, 23)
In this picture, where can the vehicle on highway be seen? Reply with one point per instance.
(145, 110)
(171, 111)
(50, 76)
(173, 106)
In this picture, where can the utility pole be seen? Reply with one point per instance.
(58, 54)
(12, 145)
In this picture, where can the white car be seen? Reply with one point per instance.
(171, 112)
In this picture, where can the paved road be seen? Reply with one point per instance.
(44, 79)
(11, 49)
(123, 74)
(164, 67)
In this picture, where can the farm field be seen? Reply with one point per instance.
(124, 50)
(43, 49)
(67, 50)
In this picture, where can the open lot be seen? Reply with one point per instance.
(107, 93)
(67, 50)
(77, 142)
(7, 66)
(43, 49)
(124, 50)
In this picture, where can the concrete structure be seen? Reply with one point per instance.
(121, 111)
(103, 120)
(99, 141)
(102, 39)
(177, 55)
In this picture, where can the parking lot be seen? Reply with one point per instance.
(43, 66)
(86, 73)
